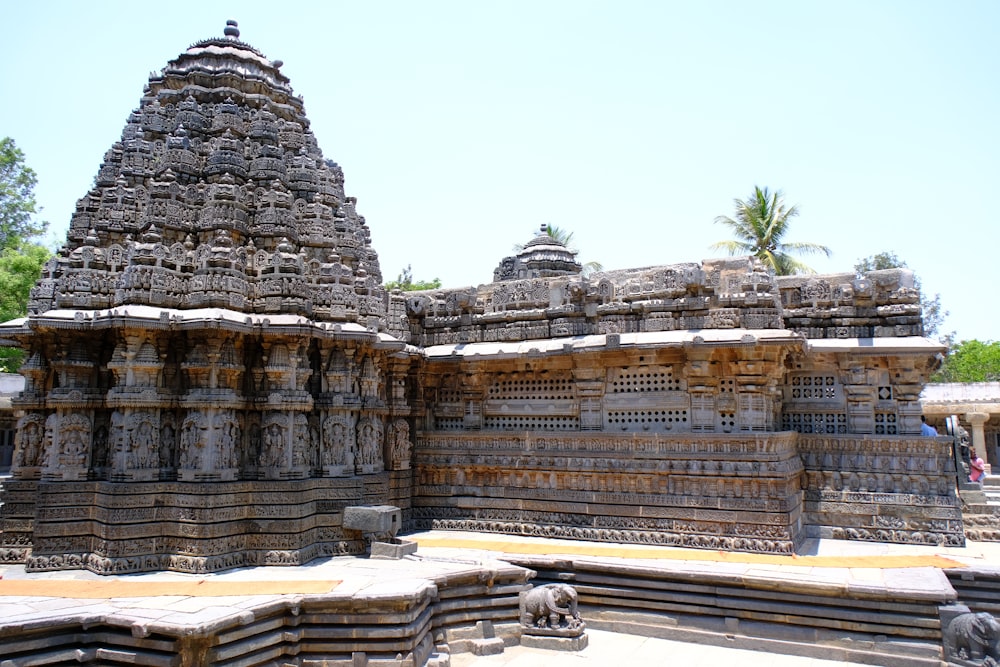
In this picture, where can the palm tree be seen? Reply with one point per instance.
(564, 236)
(761, 222)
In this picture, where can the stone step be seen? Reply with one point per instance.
(391, 623)
(977, 588)
(889, 626)
(983, 509)
(992, 494)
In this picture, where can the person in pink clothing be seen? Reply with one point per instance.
(977, 469)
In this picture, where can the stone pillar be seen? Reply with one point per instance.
(976, 421)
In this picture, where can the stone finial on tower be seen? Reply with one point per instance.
(231, 29)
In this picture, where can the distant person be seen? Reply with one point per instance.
(925, 428)
(977, 469)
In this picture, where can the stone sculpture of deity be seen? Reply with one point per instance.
(370, 444)
(192, 443)
(401, 446)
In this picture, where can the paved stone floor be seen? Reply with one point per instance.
(609, 649)
(833, 562)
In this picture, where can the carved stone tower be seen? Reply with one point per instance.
(214, 372)
(207, 384)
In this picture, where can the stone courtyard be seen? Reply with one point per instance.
(215, 373)
(455, 603)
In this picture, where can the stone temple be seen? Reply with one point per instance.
(214, 372)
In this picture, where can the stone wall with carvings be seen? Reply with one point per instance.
(708, 491)
(205, 367)
(137, 410)
(881, 488)
(716, 294)
(214, 371)
(716, 439)
(877, 304)
(189, 527)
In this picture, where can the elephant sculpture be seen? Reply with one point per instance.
(550, 606)
(974, 637)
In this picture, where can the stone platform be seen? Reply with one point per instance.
(422, 609)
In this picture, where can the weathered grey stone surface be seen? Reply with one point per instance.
(577, 643)
(207, 383)
(870, 615)
(377, 520)
(394, 549)
(381, 613)
(215, 372)
(971, 639)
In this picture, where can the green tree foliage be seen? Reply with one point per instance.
(879, 262)
(564, 236)
(971, 361)
(19, 269)
(760, 225)
(405, 282)
(17, 197)
(933, 313)
(20, 261)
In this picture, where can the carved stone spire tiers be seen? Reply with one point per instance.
(208, 340)
(219, 143)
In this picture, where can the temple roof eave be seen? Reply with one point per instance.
(10, 329)
(152, 317)
(884, 345)
(597, 342)
(960, 398)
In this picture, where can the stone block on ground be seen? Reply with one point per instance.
(491, 646)
(577, 643)
(393, 550)
(381, 520)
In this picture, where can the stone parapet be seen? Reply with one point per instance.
(890, 618)
(716, 294)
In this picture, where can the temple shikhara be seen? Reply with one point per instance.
(214, 372)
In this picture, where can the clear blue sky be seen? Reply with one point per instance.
(463, 126)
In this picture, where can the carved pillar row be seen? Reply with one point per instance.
(977, 420)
